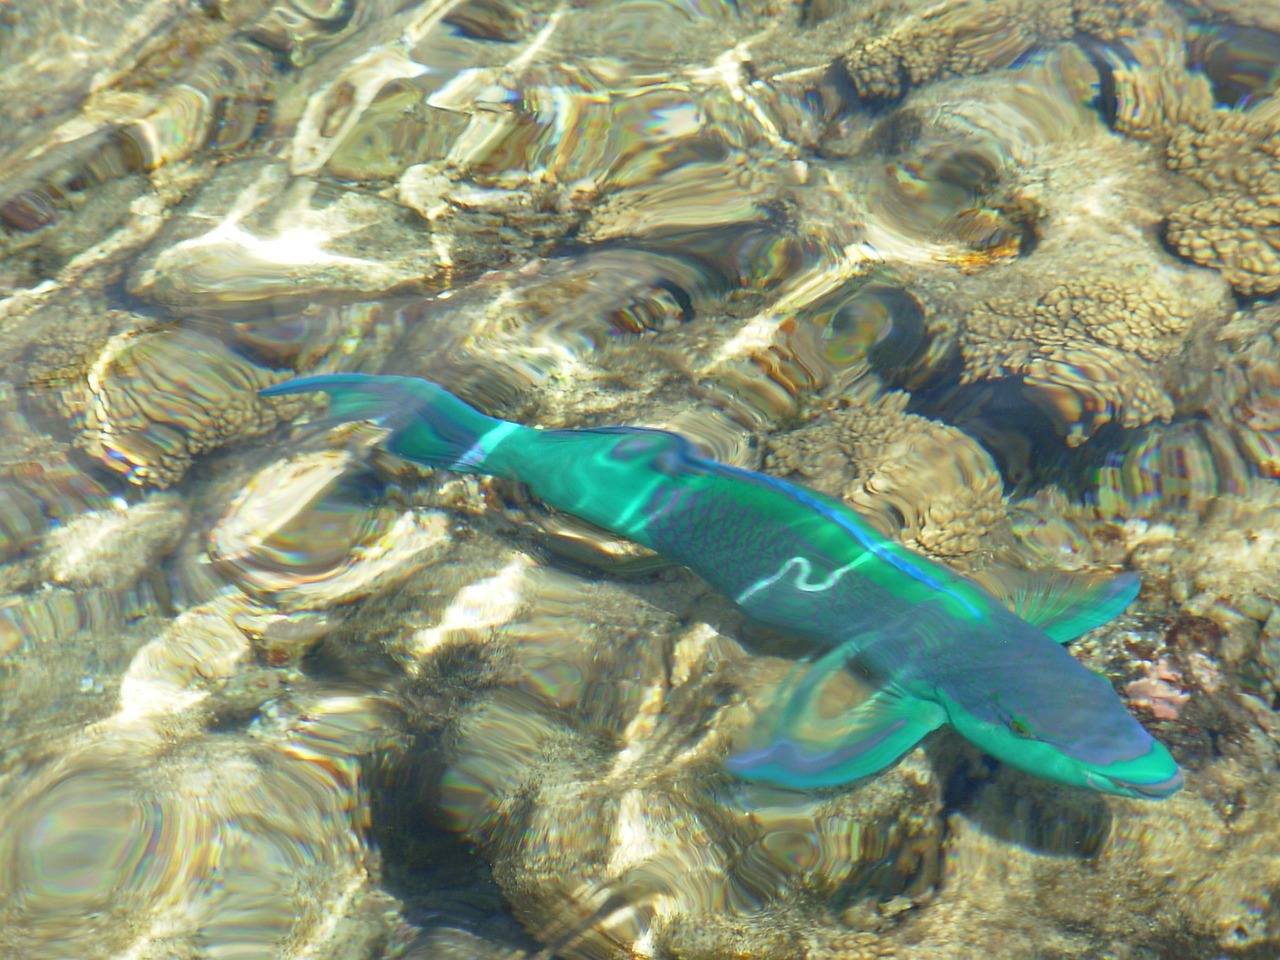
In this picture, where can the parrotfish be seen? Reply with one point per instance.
(937, 647)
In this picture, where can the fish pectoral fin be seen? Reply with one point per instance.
(799, 741)
(1064, 604)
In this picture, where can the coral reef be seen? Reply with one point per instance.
(892, 466)
(1052, 218)
(1236, 157)
(901, 47)
(1102, 350)
(1001, 274)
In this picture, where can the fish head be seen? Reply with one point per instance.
(1048, 715)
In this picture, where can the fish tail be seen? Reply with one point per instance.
(428, 424)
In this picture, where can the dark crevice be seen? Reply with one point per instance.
(1027, 443)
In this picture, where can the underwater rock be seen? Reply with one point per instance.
(828, 234)
(300, 30)
(317, 336)
(1172, 471)
(1242, 65)
(953, 173)
(1049, 527)
(838, 338)
(282, 639)
(239, 841)
(838, 323)
(574, 334)
(1007, 198)
(1126, 340)
(113, 549)
(178, 668)
(62, 653)
(41, 487)
(152, 403)
(1192, 877)
(1251, 13)
(301, 536)
(48, 69)
(1181, 471)
(588, 778)
(128, 132)
(234, 845)
(256, 236)
(22, 520)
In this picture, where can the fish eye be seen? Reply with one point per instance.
(1020, 728)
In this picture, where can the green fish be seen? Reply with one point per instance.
(939, 648)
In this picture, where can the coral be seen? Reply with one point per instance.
(1066, 290)
(1100, 328)
(1236, 157)
(939, 481)
(695, 229)
(1128, 317)
(1158, 690)
(927, 483)
(1092, 348)
(901, 49)
(1233, 154)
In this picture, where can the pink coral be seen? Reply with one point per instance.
(1158, 691)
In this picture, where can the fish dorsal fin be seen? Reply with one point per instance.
(1064, 604)
(808, 736)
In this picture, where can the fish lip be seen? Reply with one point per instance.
(1153, 791)
(1161, 788)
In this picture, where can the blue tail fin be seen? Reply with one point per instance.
(428, 424)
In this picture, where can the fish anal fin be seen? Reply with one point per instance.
(1064, 604)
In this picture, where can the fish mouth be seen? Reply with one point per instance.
(1154, 790)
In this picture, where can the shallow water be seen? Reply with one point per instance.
(1002, 275)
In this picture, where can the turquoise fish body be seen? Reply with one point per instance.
(939, 648)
